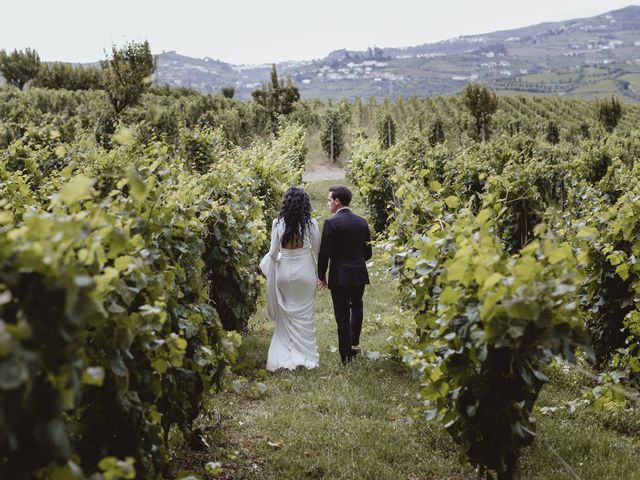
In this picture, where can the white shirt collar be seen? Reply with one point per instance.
(343, 208)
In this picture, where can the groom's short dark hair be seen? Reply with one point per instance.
(342, 193)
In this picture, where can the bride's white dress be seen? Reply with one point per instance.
(291, 289)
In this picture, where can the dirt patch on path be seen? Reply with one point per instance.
(323, 172)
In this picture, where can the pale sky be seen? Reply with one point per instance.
(263, 31)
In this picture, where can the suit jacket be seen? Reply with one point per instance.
(345, 247)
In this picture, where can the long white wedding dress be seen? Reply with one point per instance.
(291, 289)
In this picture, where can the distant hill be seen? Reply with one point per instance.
(580, 58)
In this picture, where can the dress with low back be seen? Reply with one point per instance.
(291, 289)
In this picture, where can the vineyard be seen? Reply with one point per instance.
(130, 294)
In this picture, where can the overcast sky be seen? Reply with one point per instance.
(260, 31)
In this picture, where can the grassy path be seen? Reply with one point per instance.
(362, 421)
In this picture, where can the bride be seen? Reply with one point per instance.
(290, 269)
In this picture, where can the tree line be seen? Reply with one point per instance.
(127, 73)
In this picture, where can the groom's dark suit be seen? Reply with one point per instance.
(345, 247)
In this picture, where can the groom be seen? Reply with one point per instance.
(345, 247)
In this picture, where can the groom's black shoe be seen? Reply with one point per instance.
(347, 360)
(355, 350)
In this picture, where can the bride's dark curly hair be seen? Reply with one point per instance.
(296, 213)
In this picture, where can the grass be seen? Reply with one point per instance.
(602, 87)
(550, 77)
(634, 80)
(315, 154)
(363, 421)
(524, 93)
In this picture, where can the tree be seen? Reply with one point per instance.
(331, 132)
(481, 104)
(19, 67)
(276, 98)
(552, 133)
(609, 112)
(387, 131)
(127, 74)
(437, 132)
(66, 76)
(228, 92)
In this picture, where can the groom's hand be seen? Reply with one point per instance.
(322, 284)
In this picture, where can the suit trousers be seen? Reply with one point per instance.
(348, 309)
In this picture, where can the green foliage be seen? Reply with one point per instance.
(487, 322)
(371, 168)
(238, 122)
(127, 74)
(608, 164)
(276, 98)
(290, 145)
(332, 132)
(45, 115)
(126, 313)
(16, 196)
(494, 295)
(481, 103)
(111, 334)
(609, 240)
(237, 238)
(552, 133)
(159, 216)
(387, 131)
(156, 121)
(609, 112)
(306, 114)
(66, 76)
(274, 167)
(228, 92)
(527, 179)
(584, 130)
(436, 135)
(19, 67)
(236, 233)
(77, 115)
(201, 148)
